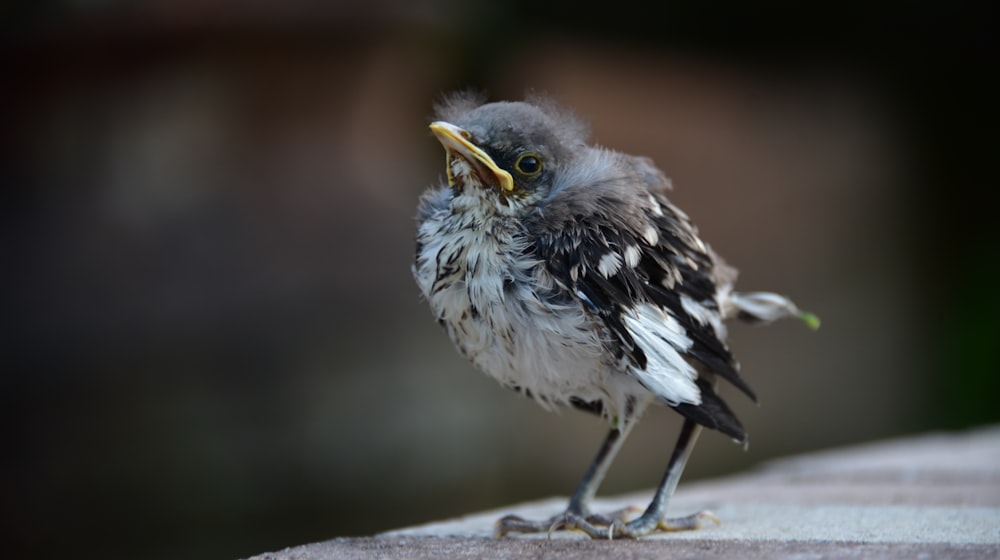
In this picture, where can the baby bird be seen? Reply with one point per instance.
(562, 270)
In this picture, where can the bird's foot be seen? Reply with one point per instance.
(605, 527)
(566, 520)
(647, 525)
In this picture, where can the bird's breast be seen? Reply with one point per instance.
(504, 311)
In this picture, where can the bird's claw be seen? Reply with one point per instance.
(513, 524)
(644, 526)
(689, 523)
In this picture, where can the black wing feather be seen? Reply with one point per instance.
(572, 249)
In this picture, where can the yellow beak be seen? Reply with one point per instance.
(456, 143)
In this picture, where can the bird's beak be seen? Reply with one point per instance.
(456, 143)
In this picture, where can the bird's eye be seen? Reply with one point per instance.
(529, 164)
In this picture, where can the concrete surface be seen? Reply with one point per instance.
(932, 496)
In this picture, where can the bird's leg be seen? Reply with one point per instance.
(578, 510)
(579, 503)
(653, 518)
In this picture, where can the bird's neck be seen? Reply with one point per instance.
(487, 203)
(469, 259)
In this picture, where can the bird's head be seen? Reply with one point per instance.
(507, 155)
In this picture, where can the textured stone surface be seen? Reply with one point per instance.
(930, 496)
(431, 547)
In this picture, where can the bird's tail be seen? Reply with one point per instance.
(765, 307)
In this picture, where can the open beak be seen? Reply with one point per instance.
(456, 144)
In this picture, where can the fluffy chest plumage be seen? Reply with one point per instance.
(508, 315)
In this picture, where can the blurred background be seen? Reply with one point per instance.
(212, 344)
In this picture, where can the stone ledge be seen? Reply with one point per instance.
(936, 495)
(425, 548)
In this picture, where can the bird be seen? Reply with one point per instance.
(561, 269)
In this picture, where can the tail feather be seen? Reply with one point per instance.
(713, 413)
(765, 307)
